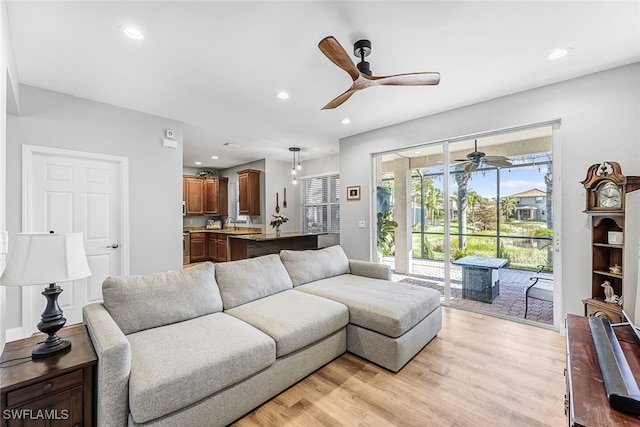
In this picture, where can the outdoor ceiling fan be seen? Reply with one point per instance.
(361, 74)
(477, 158)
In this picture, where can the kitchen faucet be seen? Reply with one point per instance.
(231, 219)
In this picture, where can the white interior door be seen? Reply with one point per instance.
(67, 191)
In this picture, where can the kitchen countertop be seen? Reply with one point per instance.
(272, 236)
(230, 230)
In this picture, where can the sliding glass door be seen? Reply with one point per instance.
(492, 199)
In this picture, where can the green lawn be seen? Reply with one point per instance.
(521, 251)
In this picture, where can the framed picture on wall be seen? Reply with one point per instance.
(353, 192)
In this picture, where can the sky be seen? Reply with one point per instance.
(514, 180)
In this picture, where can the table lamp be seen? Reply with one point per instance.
(41, 258)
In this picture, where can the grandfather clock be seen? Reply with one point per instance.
(606, 188)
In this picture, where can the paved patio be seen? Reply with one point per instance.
(509, 303)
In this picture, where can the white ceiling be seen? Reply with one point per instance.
(216, 66)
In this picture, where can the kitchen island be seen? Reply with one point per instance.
(253, 245)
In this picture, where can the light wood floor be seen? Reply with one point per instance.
(478, 371)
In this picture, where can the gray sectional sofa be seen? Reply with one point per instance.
(205, 345)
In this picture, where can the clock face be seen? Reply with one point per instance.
(609, 196)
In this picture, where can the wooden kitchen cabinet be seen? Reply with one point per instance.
(60, 384)
(198, 247)
(193, 194)
(217, 245)
(216, 196)
(208, 247)
(212, 246)
(249, 192)
(221, 248)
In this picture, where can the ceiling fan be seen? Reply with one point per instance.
(361, 74)
(477, 158)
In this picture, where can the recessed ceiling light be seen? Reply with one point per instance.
(282, 95)
(198, 163)
(345, 121)
(416, 152)
(214, 157)
(132, 32)
(559, 53)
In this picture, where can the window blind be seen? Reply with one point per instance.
(321, 204)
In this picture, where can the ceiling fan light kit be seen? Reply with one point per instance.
(361, 74)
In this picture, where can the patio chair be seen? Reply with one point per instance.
(541, 288)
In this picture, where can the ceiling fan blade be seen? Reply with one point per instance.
(498, 158)
(336, 53)
(337, 101)
(408, 79)
(497, 163)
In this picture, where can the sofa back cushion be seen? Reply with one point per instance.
(309, 266)
(250, 279)
(140, 302)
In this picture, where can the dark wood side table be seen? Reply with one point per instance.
(53, 391)
(586, 398)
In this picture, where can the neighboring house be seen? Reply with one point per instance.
(530, 204)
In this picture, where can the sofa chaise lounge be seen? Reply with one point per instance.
(205, 345)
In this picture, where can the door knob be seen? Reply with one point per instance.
(113, 246)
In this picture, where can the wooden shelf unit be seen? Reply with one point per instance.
(603, 256)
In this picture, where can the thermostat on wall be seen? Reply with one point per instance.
(169, 143)
(615, 237)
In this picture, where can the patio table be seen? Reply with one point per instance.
(481, 277)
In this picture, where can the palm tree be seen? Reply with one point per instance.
(462, 180)
(508, 206)
(473, 199)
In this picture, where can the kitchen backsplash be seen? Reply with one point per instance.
(196, 220)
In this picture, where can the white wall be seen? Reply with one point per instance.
(155, 173)
(278, 177)
(8, 102)
(322, 166)
(599, 114)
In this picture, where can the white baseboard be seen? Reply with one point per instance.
(14, 334)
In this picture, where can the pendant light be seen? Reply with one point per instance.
(295, 166)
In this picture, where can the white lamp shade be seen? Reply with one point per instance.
(44, 258)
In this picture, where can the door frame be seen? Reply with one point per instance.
(28, 151)
(556, 144)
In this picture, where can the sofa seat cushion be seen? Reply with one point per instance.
(308, 266)
(390, 308)
(247, 280)
(179, 364)
(293, 319)
(139, 302)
